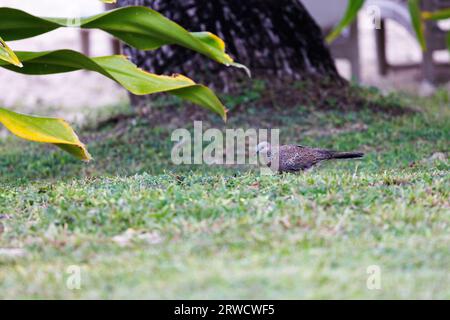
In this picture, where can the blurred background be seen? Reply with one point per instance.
(389, 60)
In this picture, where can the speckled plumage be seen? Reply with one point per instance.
(296, 158)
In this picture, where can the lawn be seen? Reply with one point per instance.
(139, 227)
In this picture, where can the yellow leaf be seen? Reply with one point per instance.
(46, 130)
(8, 55)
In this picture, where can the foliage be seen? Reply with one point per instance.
(350, 14)
(48, 130)
(418, 19)
(140, 27)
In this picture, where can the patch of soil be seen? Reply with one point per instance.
(325, 94)
(315, 94)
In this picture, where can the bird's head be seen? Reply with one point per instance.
(263, 148)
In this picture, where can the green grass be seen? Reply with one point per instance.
(214, 232)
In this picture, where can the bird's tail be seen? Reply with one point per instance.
(346, 155)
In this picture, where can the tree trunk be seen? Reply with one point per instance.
(276, 39)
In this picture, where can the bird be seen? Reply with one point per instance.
(297, 158)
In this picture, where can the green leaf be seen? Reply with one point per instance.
(6, 54)
(140, 27)
(436, 15)
(448, 40)
(45, 130)
(353, 8)
(418, 23)
(119, 69)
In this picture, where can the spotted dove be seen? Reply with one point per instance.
(295, 158)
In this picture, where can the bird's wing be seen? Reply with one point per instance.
(296, 158)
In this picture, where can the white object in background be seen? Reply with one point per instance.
(56, 8)
(326, 13)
